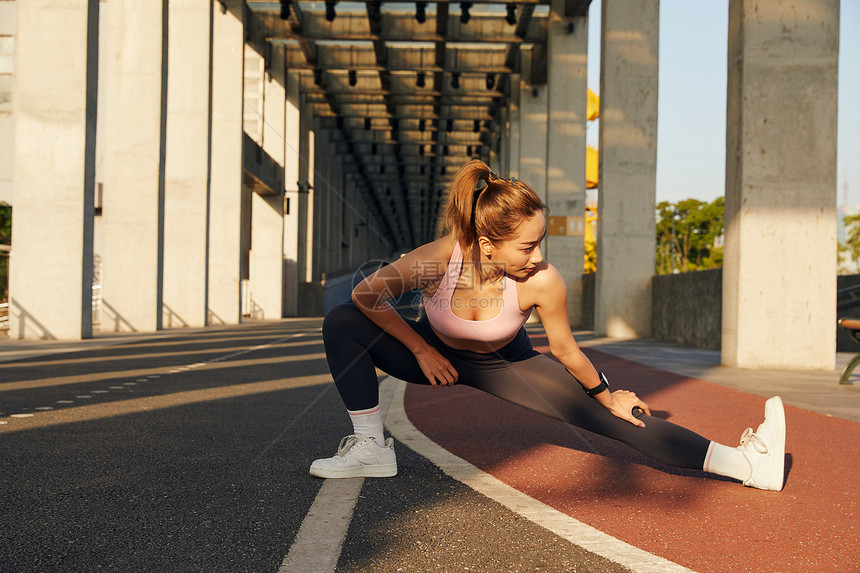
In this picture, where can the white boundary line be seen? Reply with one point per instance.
(319, 542)
(538, 512)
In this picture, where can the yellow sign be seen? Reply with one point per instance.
(566, 226)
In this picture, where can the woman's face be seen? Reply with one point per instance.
(519, 256)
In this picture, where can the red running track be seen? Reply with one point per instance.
(702, 522)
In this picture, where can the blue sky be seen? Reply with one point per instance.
(693, 44)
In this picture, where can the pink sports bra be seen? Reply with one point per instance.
(501, 327)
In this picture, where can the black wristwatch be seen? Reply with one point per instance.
(604, 384)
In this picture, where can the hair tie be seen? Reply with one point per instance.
(491, 176)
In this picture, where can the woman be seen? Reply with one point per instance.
(480, 284)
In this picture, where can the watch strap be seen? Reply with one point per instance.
(604, 384)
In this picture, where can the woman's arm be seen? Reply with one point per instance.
(411, 271)
(551, 304)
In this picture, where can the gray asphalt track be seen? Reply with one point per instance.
(189, 452)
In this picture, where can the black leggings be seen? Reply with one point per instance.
(516, 372)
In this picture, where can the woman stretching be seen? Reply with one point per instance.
(480, 284)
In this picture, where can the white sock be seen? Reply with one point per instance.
(368, 423)
(725, 461)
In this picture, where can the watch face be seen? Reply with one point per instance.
(602, 377)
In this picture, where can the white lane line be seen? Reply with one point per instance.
(548, 517)
(319, 541)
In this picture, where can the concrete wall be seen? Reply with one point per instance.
(588, 294)
(686, 308)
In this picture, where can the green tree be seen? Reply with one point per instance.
(850, 251)
(687, 234)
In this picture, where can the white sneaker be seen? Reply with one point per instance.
(358, 456)
(764, 449)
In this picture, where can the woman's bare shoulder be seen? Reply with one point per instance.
(544, 280)
(427, 262)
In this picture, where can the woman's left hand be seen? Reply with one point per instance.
(622, 404)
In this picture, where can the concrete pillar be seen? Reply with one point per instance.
(779, 273)
(54, 114)
(325, 218)
(309, 144)
(267, 263)
(7, 127)
(292, 207)
(533, 131)
(504, 143)
(319, 202)
(135, 75)
(225, 188)
(267, 211)
(628, 167)
(334, 188)
(186, 194)
(514, 121)
(316, 201)
(305, 203)
(567, 70)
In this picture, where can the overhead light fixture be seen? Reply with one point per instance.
(366, 123)
(329, 11)
(420, 80)
(476, 127)
(353, 78)
(455, 80)
(491, 81)
(464, 12)
(285, 9)
(421, 12)
(511, 17)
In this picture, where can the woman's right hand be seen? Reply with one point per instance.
(437, 368)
